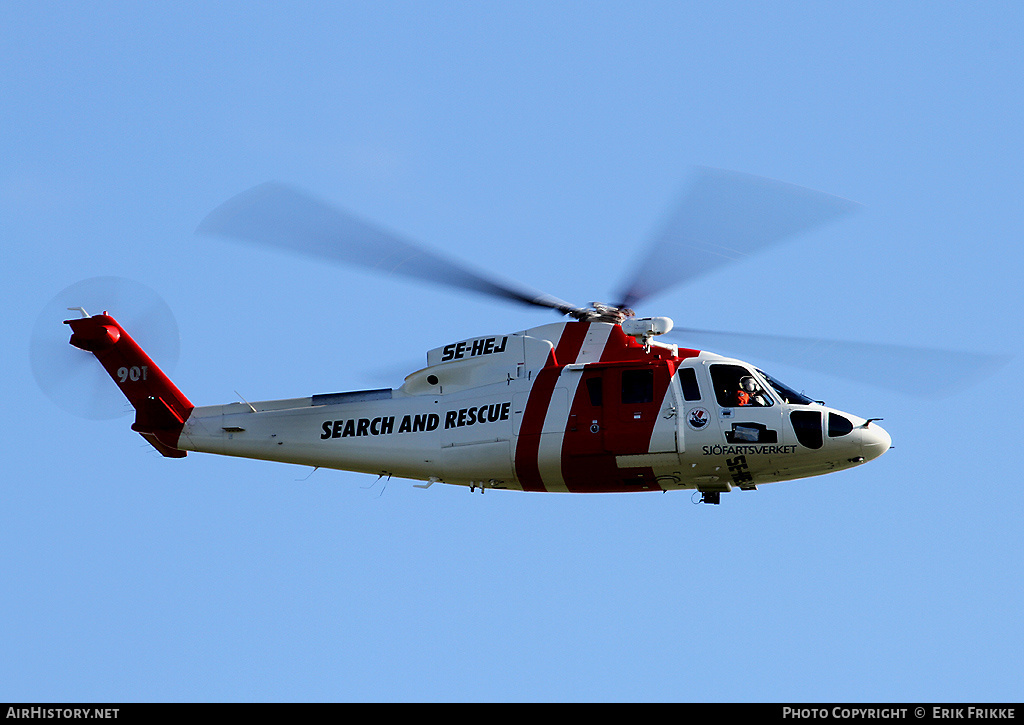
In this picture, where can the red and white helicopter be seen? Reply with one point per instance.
(592, 404)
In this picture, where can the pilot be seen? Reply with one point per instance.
(750, 393)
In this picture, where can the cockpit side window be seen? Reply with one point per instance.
(736, 386)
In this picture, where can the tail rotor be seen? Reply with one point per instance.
(70, 376)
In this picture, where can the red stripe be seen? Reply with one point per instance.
(528, 442)
(571, 342)
(588, 467)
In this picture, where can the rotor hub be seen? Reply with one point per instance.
(600, 312)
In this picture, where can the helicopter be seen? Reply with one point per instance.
(601, 402)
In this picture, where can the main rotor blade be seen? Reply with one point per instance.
(285, 217)
(921, 371)
(724, 217)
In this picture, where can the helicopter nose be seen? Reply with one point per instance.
(874, 441)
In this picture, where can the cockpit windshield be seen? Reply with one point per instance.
(787, 394)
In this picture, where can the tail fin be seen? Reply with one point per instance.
(160, 408)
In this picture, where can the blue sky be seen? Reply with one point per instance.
(543, 142)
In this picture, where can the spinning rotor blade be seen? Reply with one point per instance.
(921, 371)
(71, 377)
(725, 217)
(282, 216)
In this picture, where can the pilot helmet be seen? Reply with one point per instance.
(749, 384)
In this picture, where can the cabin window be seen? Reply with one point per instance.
(594, 391)
(688, 381)
(807, 426)
(637, 386)
(838, 425)
(736, 386)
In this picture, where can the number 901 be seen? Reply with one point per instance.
(134, 373)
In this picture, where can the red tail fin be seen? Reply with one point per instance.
(160, 408)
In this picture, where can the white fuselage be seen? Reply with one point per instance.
(572, 407)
